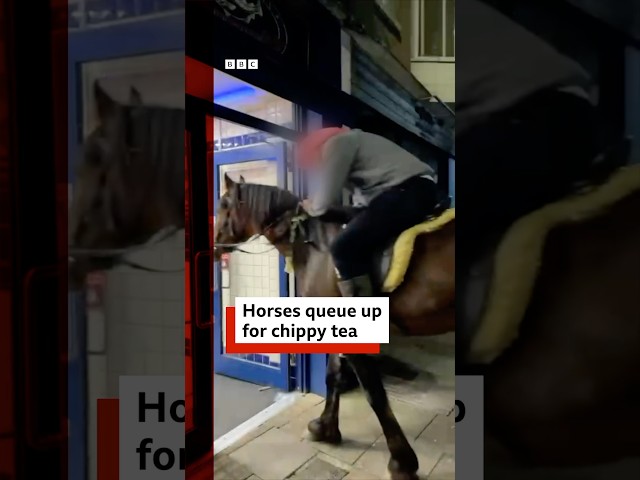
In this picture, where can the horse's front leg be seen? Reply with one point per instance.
(403, 464)
(325, 428)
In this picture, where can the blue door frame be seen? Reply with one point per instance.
(232, 366)
(117, 40)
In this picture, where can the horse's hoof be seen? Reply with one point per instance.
(321, 432)
(404, 476)
(399, 473)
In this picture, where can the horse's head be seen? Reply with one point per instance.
(248, 209)
(124, 181)
(233, 220)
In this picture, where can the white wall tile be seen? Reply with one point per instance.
(173, 312)
(173, 364)
(144, 317)
(257, 273)
(96, 330)
(154, 364)
(135, 300)
(173, 340)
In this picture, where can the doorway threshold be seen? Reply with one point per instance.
(281, 403)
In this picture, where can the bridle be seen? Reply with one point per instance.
(235, 247)
(119, 253)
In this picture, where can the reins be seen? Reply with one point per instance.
(119, 253)
(295, 221)
(235, 247)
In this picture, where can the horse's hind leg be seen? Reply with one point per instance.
(325, 428)
(403, 464)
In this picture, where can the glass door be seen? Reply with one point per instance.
(259, 273)
(198, 314)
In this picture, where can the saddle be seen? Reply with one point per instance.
(497, 295)
(390, 263)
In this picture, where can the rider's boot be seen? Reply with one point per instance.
(356, 287)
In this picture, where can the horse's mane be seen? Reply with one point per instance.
(272, 207)
(159, 133)
(152, 140)
(165, 127)
(267, 203)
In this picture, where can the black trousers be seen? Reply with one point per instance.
(519, 160)
(387, 216)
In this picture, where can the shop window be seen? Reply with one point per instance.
(241, 96)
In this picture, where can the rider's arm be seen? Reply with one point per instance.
(339, 154)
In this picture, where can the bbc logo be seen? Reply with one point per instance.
(233, 64)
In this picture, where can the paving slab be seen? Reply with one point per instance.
(318, 469)
(226, 468)
(412, 420)
(440, 433)
(375, 459)
(274, 455)
(445, 469)
(280, 448)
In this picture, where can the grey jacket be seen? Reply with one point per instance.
(366, 165)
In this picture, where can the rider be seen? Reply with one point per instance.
(397, 189)
(525, 122)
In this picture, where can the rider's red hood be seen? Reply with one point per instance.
(309, 148)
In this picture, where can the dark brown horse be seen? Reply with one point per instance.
(129, 183)
(421, 305)
(567, 391)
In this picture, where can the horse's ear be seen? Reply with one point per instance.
(228, 183)
(105, 104)
(135, 99)
(242, 180)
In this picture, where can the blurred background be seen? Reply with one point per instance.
(393, 59)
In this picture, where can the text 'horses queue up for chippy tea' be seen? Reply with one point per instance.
(313, 313)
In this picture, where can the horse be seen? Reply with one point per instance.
(422, 305)
(575, 357)
(129, 184)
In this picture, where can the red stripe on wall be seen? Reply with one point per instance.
(108, 439)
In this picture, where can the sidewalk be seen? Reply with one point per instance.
(278, 449)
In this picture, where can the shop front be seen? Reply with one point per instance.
(248, 132)
(303, 80)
